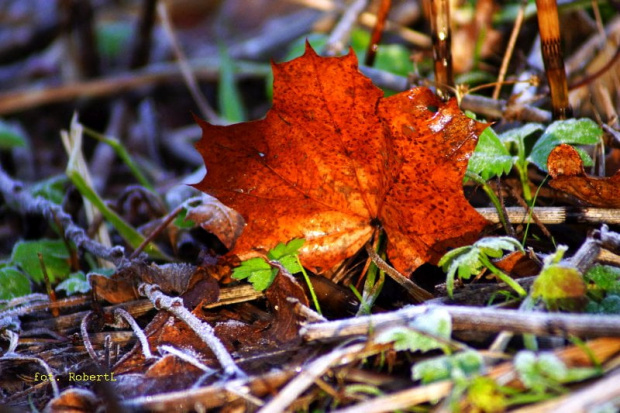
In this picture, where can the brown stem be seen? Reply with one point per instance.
(549, 28)
(377, 32)
(442, 53)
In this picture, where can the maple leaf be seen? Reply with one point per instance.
(333, 160)
(566, 168)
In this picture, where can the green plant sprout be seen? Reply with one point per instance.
(429, 332)
(496, 155)
(122, 153)
(471, 259)
(261, 274)
(75, 172)
(560, 285)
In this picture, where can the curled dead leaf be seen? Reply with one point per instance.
(218, 219)
(566, 168)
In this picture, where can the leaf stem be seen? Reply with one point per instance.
(500, 274)
(129, 234)
(315, 300)
(527, 193)
(494, 199)
(122, 153)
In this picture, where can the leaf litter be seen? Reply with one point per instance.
(260, 332)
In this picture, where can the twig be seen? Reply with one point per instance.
(442, 46)
(186, 70)
(377, 32)
(142, 46)
(20, 200)
(120, 313)
(202, 330)
(402, 399)
(473, 319)
(50, 375)
(186, 357)
(306, 377)
(556, 215)
(418, 293)
(339, 36)
(509, 50)
(87, 344)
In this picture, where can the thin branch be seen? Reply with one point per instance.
(19, 199)
(202, 329)
(120, 313)
(556, 215)
(306, 378)
(473, 319)
(340, 35)
(418, 293)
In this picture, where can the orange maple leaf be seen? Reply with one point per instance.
(333, 160)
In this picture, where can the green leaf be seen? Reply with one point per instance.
(261, 274)
(572, 131)
(518, 135)
(113, 38)
(286, 254)
(52, 189)
(605, 277)
(10, 136)
(13, 283)
(490, 158)
(486, 395)
(463, 364)
(469, 260)
(229, 98)
(55, 258)
(75, 283)
(539, 371)
(248, 267)
(436, 322)
(560, 287)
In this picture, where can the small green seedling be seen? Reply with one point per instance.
(421, 334)
(559, 285)
(11, 136)
(495, 155)
(471, 259)
(261, 274)
(603, 290)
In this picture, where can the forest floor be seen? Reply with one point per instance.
(351, 251)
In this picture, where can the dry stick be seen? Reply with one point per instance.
(377, 32)
(418, 293)
(473, 319)
(119, 313)
(87, 344)
(603, 392)
(555, 215)
(142, 46)
(20, 199)
(164, 223)
(509, 49)
(202, 329)
(51, 379)
(306, 378)
(442, 43)
(402, 399)
(186, 70)
(212, 396)
(549, 28)
(340, 35)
